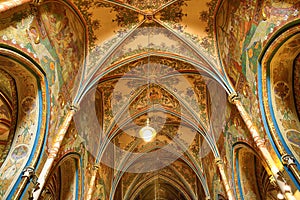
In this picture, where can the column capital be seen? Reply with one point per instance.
(273, 181)
(74, 107)
(219, 161)
(233, 97)
(96, 167)
(288, 160)
(28, 172)
(36, 2)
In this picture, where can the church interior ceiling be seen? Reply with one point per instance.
(169, 64)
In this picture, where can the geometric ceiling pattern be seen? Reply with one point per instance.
(128, 64)
(152, 61)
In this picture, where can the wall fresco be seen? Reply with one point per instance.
(26, 32)
(26, 128)
(243, 28)
(249, 25)
(296, 83)
(64, 182)
(282, 94)
(8, 112)
(14, 26)
(67, 36)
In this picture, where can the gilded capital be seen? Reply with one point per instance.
(233, 97)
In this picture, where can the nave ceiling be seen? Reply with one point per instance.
(169, 62)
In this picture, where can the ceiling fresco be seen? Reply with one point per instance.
(110, 17)
(130, 30)
(179, 174)
(168, 64)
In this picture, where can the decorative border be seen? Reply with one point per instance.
(33, 68)
(264, 90)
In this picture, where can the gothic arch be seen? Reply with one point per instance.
(28, 131)
(279, 93)
(251, 174)
(65, 179)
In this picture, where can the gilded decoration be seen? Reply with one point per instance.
(113, 67)
(26, 127)
(296, 85)
(283, 102)
(145, 5)
(67, 35)
(8, 111)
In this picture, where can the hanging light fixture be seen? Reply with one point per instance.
(147, 133)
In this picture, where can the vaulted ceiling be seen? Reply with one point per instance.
(126, 62)
(156, 61)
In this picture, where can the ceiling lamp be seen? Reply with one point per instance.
(147, 133)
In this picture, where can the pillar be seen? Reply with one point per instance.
(92, 182)
(220, 165)
(54, 149)
(259, 142)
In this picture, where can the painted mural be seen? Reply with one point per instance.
(243, 30)
(8, 113)
(27, 33)
(282, 94)
(14, 26)
(126, 61)
(67, 36)
(296, 83)
(49, 61)
(26, 131)
(249, 25)
(64, 181)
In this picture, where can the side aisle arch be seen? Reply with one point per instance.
(31, 119)
(278, 83)
(252, 175)
(65, 179)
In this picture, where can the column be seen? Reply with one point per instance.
(54, 149)
(92, 182)
(283, 186)
(220, 165)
